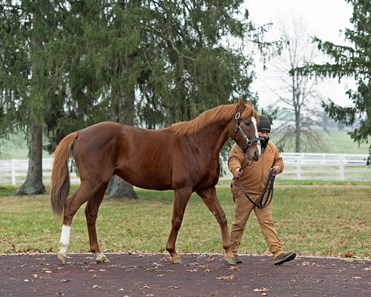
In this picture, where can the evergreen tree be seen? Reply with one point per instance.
(26, 28)
(152, 63)
(351, 60)
(69, 64)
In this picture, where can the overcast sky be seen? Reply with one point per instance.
(322, 18)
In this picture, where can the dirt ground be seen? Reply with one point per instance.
(199, 275)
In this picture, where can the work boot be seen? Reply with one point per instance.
(284, 257)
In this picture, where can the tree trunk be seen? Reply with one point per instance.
(118, 188)
(123, 112)
(297, 133)
(33, 184)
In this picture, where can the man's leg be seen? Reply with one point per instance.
(242, 210)
(265, 219)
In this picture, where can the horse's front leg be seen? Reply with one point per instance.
(91, 214)
(212, 202)
(181, 198)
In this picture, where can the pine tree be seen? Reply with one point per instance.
(144, 63)
(26, 29)
(350, 60)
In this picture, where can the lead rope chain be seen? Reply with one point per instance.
(268, 189)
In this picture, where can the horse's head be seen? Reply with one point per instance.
(245, 132)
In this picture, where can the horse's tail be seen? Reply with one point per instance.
(60, 178)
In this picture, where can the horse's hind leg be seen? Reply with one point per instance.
(91, 214)
(72, 205)
(181, 198)
(83, 194)
(210, 199)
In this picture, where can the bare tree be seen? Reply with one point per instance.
(299, 110)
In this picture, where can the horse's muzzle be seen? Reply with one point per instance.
(256, 156)
(252, 158)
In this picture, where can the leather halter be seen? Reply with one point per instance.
(249, 140)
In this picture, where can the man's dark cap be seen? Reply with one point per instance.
(264, 124)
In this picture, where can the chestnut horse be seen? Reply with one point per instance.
(183, 157)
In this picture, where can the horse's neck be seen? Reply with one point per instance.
(215, 138)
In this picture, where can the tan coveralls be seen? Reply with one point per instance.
(253, 179)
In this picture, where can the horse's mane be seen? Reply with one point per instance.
(219, 113)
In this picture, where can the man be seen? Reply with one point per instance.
(252, 187)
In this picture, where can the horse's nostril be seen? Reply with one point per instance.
(256, 155)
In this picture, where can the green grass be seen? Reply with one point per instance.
(335, 142)
(331, 221)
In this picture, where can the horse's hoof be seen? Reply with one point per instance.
(230, 260)
(62, 257)
(176, 259)
(101, 258)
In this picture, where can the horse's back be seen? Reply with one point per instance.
(139, 156)
(151, 159)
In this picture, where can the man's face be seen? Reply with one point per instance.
(264, 134)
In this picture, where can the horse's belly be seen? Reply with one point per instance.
(147, 181)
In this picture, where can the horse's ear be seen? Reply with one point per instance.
(241, 103)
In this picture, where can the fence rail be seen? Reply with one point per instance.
(15, 171)
(299, 166)
(326, 166)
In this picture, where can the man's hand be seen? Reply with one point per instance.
(276, 170)
(237, 173)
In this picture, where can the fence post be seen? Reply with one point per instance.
(341, 168)
(298, 167)
(13, 172)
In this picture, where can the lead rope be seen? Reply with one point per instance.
(267, 192)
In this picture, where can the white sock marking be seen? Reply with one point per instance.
(65, 238)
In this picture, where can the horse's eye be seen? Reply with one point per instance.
(247, 123)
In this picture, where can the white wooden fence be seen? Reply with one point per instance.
(15, 171)
(326, 166)
(297, 166)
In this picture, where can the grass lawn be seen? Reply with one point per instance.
(311, 220)
(334, 142)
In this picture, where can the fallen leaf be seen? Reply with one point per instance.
(261, 290)
(349, 255)
(229, 277)
(234, 268)
(309, 264)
